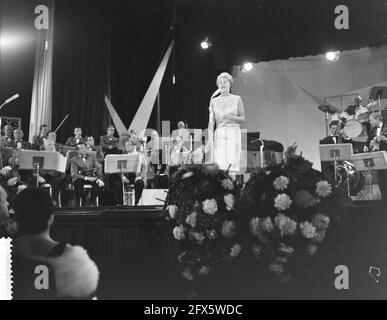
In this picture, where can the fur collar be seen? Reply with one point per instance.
(76, 275)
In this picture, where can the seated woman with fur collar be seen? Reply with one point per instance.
(42, 267)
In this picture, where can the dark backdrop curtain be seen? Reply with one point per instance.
(81, 71)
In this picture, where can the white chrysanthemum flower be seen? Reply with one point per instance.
(6, 170)
(281, 183)
(210, 206)
(286, 225)
(235, 250)
(178, 232)
(172, 210)
(282, 202)
(323, 189)
(321, 221)
(308, 230)
(12, 181)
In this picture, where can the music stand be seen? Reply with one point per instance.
(369, 162)
(336, 152)
(38, 160)
(378, 93)
(122, 163)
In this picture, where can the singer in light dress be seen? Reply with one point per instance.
(226, 114)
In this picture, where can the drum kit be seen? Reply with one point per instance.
(354, 127)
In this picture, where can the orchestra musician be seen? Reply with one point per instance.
(8, 131)
(89, 141)
(18, 142)
(377, 141)
(73, 141)
(138, 179)
(108, 142)
(85, 169)
(54, 178)
(38, 140)
(50, 143)
(356, 109)
(336, 136)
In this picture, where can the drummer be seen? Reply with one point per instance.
(356, 111)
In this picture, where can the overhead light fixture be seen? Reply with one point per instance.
(248, 66)
(332, 56)
(206, 43)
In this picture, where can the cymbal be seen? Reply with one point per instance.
(329, 108)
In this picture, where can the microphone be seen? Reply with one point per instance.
(15, 96)
(215, 93)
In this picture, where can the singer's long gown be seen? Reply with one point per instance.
(227, 135)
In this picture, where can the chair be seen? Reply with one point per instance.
(49, 187)
(88, 188)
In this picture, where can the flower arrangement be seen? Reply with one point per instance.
(203, 222)
(11, 182)
(290, 210)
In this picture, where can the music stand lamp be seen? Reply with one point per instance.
(334, 153)
(371, 161)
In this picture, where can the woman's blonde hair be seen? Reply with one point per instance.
(224, 75)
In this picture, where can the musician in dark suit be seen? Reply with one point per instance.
(336, 136)
(73, 141)
(38, 140)
(85, 169)
(18, 142)
(108, 142)
(138, 179)
(8, 133)
(377, 138)
(377, 141)
(54, 178)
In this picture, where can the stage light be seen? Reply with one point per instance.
(332, 56)
(206, 43)
(8, 41)
(248, 66)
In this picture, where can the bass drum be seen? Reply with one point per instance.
(353, 128)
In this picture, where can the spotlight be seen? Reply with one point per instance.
(7, 41)
(206, 43)
(248, 66)
(332, 56)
